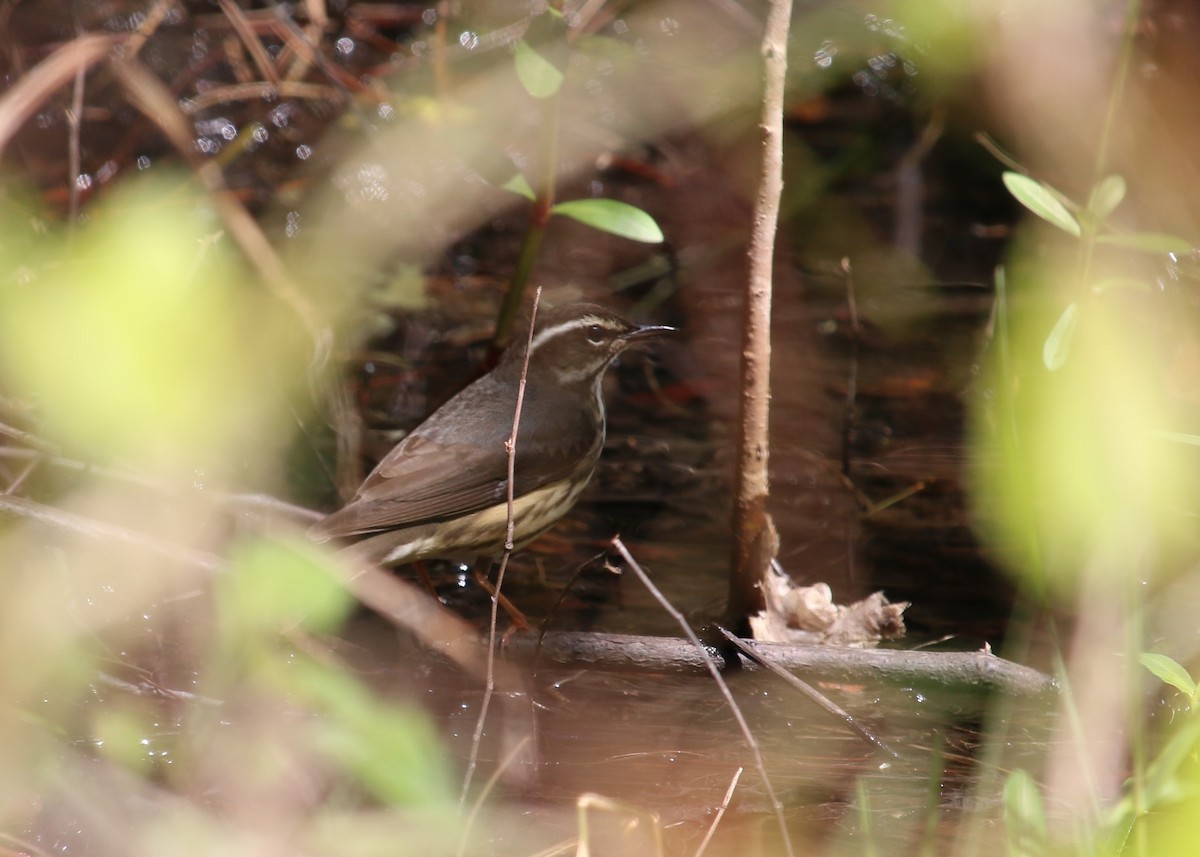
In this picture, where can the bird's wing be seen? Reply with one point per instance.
(422, 480)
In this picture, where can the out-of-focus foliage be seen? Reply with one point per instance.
(1080, 475)
(139, 341)
(141, 338)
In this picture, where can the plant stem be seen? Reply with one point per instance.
(755, 541)
(539, 219)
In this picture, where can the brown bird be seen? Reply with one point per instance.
(443, 490)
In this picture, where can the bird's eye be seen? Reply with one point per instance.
(595, 334)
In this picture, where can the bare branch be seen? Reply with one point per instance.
(47, 77)
(755, 542)
(511, 447)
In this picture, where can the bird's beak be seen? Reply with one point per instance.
(647, 331)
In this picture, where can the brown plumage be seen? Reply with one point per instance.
(442, 491)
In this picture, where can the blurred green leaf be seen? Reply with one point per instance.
(125, 735)
(949, 36)
(404, 289)
(1058, 344)
(275, 586)
(1158, 243)
(616, 51)
(538, 75)
(1164, 781)
(519, 185)
(1068, 474)
(1042, 200)
(136, 341)
(617, 218)
(1169, 671)
(1024, 816)
(1106, 196)
(393, 751)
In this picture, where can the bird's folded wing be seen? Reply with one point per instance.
(426, 481)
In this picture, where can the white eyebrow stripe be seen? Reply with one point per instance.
(584, 321)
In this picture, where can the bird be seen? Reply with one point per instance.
(442, 491)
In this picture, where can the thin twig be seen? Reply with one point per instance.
(236, 502)
(848, 414)
(66, 521)
(553, 612)
(30, 466)
(1000, 153)
(510, 447)
(590, 801)
(25, 96)
(751, 742)
(712, 828)
(156, 691)
(504, 765)
(851, 370)
(241, 26)
(811, 692)
(74, 156)
(29, 439)
(314, 32)
(254, 91)
(299, 43)
(153, 20)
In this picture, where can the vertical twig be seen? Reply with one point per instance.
(441, 76)
(510, 446)
(544, 185)
(848, 416)
(254, 46)
(539, 219)
(74, 155)
(477, 806)
(754, 536)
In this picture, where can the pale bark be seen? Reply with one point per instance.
(755, 541)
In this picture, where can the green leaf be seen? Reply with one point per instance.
(1106, 196)
(1058, 343)
(160, 309)
(538, 75)
(273, 586)
(609, 215)
(1169, 671)
(392, 750)
(1162, 780)
(519, 185)
(1024, 815)
(1042, 200)
(1148, 242)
